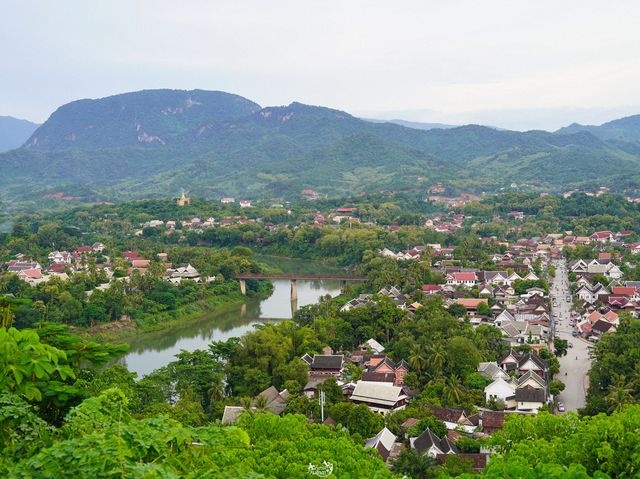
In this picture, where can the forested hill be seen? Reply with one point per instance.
(159, 142)
(627, 128)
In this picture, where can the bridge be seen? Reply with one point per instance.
(294, 277)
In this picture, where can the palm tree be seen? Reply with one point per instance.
(619, 393)
(260, 403)
(6, 316)
(453, 392)
(246, 404)
(215, 391)
(437, 356)
(417, 359)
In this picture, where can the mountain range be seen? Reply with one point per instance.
(156, 143)
(14, 132)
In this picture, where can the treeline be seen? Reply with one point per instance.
(579, 213)
(614, 377)
(144, 298)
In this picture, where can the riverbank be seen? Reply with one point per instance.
(283, 264)
(126, 330)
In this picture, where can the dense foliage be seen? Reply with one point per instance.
(564, 446)
(614, 378)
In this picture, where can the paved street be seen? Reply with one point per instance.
(572, 371)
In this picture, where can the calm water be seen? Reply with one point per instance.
(156, 349)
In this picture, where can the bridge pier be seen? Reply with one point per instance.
(294, 290)
(243, 287)
(343, 286)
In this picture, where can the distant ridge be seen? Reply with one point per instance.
(14, 132)
(418, 125)
(212, 143)
(627, 128)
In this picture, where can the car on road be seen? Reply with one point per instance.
(574, 333)
(561, 407)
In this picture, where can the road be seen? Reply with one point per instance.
(576, 364)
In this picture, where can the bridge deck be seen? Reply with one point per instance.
(302, 276)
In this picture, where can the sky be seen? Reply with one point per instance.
(518, 64)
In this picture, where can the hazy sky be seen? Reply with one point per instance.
(513, 63)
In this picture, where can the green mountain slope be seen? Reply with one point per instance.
(624, 128)
(152, 118)
(158, 142)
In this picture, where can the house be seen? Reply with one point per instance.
(531, 379)
(430, 444)
(346, 211)
(98, 247)
(227, 200)
(523, 362)
(379, 396)
(184, 272)
(579, 266)
(492, 421)
(327, 364)
(601, 326)
(635, 248)
(430, 289)
(82, 251)
(382, 442)
(60, 257)
(373, 345)
(454, 418)
(361, 300)
(471, 304)
(504, 316)
(462, 279)
(497, 277)
(500, 389)
(602, 237)
(14, 266)
(381, 368)
(491, 370)
(245, 204)
(275, 403)
(530, 399)
(532, 362)
(30, 276)
(591, 293)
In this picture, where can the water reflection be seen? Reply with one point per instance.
(155, 349)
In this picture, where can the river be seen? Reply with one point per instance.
(155, 349)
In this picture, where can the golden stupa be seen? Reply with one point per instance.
(183, 200)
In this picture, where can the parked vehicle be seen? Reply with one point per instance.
(574, 333)
(561, 407)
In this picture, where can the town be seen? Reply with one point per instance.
(438, 345)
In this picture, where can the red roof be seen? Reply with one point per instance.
(32, 273)
(431, 287)
(465, 276)
(602, 234)
(620, 291)
(57, 267)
